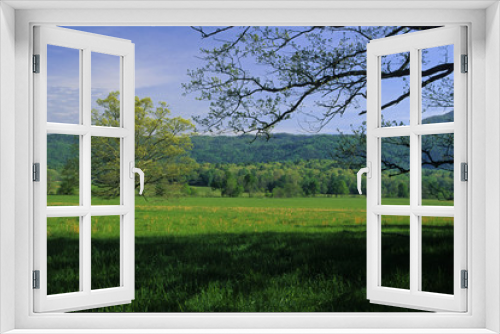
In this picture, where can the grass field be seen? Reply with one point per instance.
(249, 254)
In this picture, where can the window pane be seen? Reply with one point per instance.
(437, 85)
(437, 254)
(395, 89)
(105, 90)
(63, 255)
(105, 257)
(63, 85)
(395, 165)
(63, 170)
(395, 251)
(105, 171)
(437, 169)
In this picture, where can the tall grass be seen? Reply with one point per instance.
(252, 255)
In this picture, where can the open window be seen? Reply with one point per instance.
(417, 138)
(65, 62)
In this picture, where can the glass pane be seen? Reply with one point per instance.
(437, 254)
(63, 85)
(437, 85)
(105, 90)
(63, 255)
(63, 170)
(437, 169)
(395, 165)
(105, 171)
(395, 89)
(105, 259)
(395, 251)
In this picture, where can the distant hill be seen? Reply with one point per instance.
(60, 148)
(281, 147)
(448, 117)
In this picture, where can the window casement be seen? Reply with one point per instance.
(414, 137)
(87, 135)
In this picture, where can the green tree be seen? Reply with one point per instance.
(230, 186)
(403, 191)
(318, 71)
(340, 188)
(162, 145)
(69, 178)
(217, 180)
(52, 176)
(249, 183)
(331, 185)
(310, 186)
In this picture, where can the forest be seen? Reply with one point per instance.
(234, 166)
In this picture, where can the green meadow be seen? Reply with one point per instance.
(217, 254)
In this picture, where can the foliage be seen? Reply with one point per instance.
(162, 144)
(318, 71)
(61, 148)
(230, 186)
(280, 147)
(62, 164)
(316, 177)
(292, 178)
(337, 186)
(69, 178)
(437, 150)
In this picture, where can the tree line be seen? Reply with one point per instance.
(286, 178)
(308, 178)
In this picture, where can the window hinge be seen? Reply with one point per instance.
(36, 172)
(465, 64)
(465, 279)
(36, 279)
(464, 171)
(36, 63)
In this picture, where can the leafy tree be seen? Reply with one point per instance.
(337, 186)
(403, 191)
(318, 71)
(162, 144)
(230, 186)
(52, 176)
(217, 180)
(69, 178)
(310, 186)
(249, 183)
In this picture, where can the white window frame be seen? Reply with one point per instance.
(86, 44)
(413, 43)
(484, 50)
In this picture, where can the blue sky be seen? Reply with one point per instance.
(163, 57)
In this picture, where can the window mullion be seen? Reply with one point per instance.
(415, 243)
(85, 231)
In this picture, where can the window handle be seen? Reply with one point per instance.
(368, 171)
(134, 170)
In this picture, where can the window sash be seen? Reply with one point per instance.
(85, 298)
(413, 43)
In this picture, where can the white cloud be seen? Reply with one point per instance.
(63, 104)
